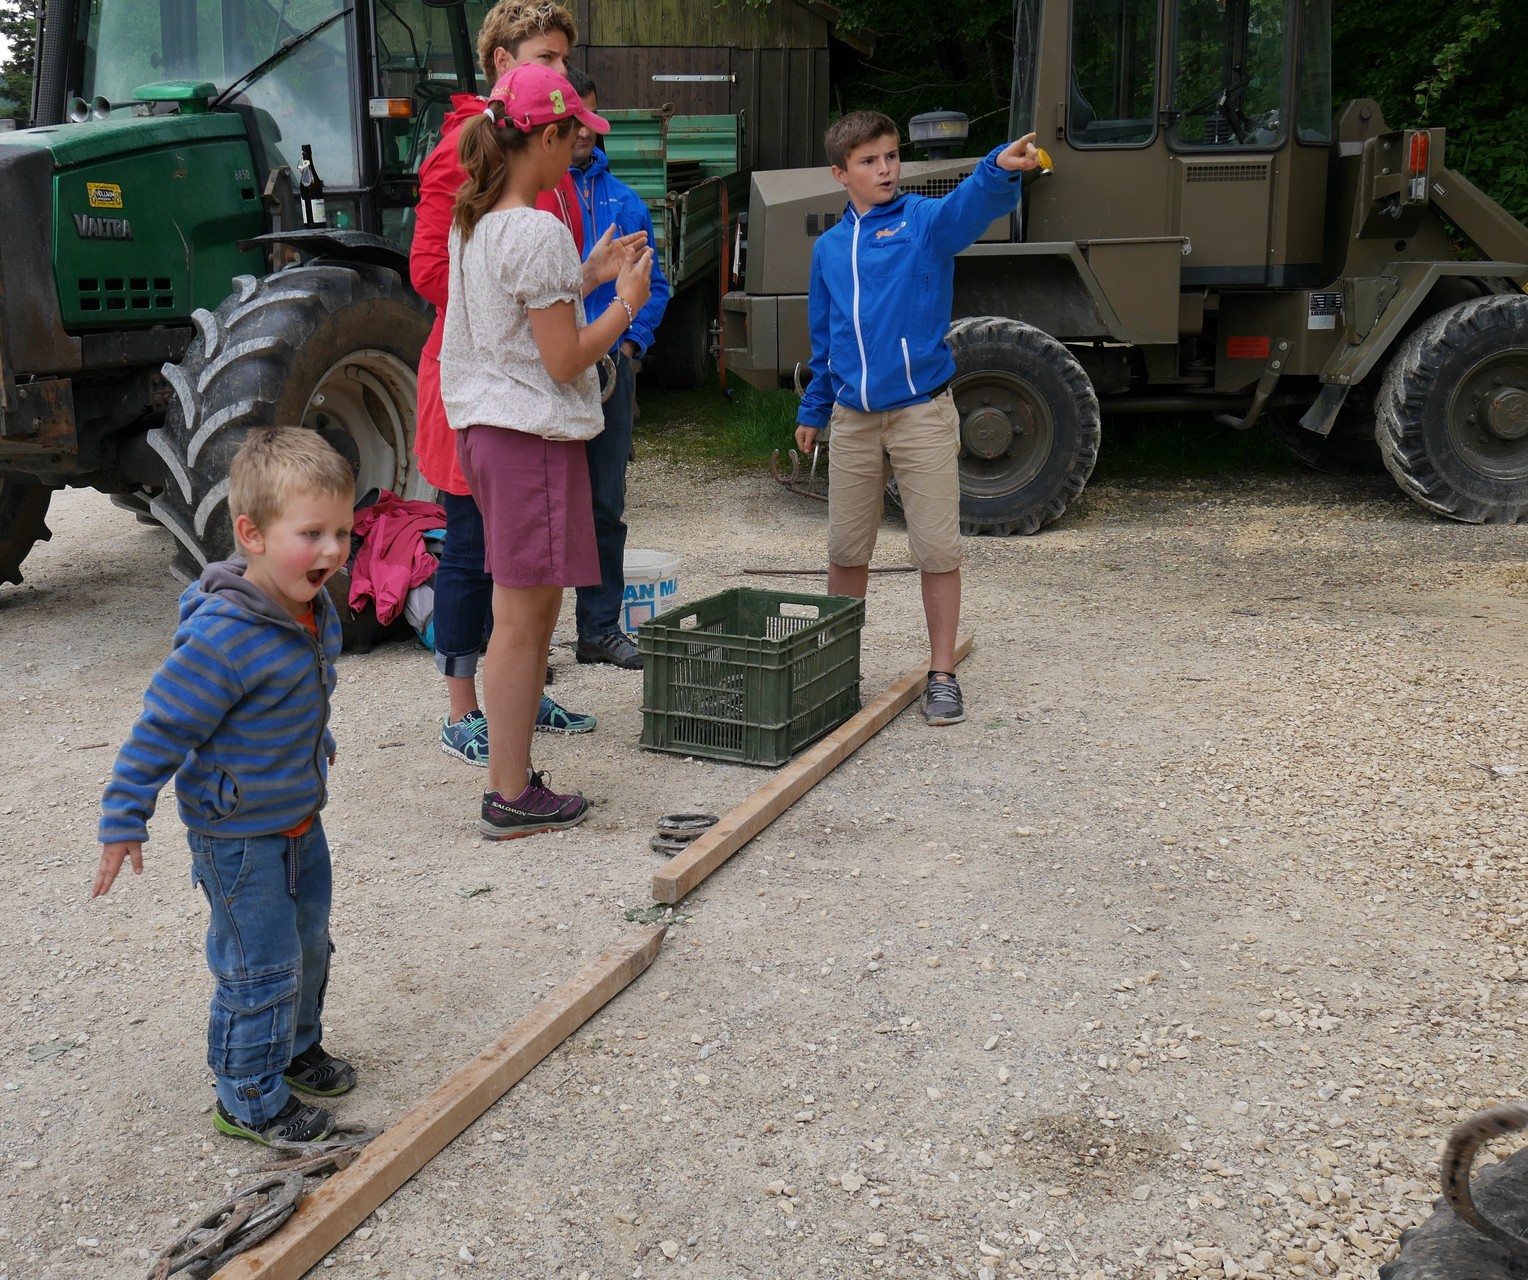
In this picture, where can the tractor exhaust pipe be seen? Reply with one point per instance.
(52, 66)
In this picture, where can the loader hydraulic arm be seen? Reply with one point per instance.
(1489, 227)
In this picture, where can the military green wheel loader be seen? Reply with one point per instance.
(161, 290)
(1214, 240)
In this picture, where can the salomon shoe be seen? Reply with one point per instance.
(550, 718)
(295, 1122)
(942, 703)
(617, 648)
(467, 739)
(538, 808)
(314, 1071)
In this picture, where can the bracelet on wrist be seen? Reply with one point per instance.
(631, 316)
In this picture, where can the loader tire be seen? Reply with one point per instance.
(326, 345)
(1029, 426)
(23, 523)
(1453, 412)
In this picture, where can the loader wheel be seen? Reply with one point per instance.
(326, 345)
(23, 512)
(1453, 412)
(1029, 426)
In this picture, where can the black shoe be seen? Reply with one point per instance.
(942, 703)
(617, 648)
(538, 808)
(295, 1122)
(314, 1071)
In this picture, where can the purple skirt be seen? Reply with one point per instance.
(538, 515)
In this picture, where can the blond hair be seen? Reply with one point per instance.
(276, 465)
(855, 130)
(511, 21)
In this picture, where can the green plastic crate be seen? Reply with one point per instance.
(749, 676)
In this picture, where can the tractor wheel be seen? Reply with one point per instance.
(23, 512)
(1029, 426)
(680, 357)
(1453, 412)
(324, 345)
(1350, 449)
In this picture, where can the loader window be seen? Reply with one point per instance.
(1114, 86)
(1026, 56)
(1228, 74)
(1313, 121)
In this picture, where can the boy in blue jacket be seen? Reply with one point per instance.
(239, 713)
(883, 285)
(605, 202)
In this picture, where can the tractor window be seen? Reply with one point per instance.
(1228, 73)
(1114, 85)
(306, 95)
(1026, 55)
(1313, 121)
(418, 60)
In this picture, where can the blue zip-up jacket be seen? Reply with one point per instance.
(603, 200)
(239, 713)
(883, 287)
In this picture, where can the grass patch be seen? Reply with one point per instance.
(745, 427)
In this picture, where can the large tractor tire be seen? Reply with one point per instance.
(1029, 426)
(1350, 449)
(680, 357)
(1453, 412)
(326, 345)
(23, 523)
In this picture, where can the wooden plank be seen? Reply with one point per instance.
(684, 871)
(342, 1202)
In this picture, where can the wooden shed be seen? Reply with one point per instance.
(765, 63)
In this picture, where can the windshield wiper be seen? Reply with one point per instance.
(287, 46)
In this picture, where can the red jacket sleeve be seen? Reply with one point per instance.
(440, 178)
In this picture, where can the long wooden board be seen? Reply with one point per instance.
(684, 871)
(341, 1204)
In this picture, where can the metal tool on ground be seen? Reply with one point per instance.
(807, 488)
(822, 573)
(677, 830)
(260, 1209)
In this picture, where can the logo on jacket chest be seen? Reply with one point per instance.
(885, 233)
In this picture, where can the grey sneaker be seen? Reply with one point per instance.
(467, 739)
(538, 808)
(617, 648)
(942, 703)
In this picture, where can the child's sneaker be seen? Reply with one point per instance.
(317, 1072)
(942, 703)
(550, 718)
(467, 739)
(538, 808)
(295, 1122)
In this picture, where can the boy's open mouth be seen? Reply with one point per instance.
(317, 576)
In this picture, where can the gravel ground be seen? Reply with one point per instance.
(1178, 958)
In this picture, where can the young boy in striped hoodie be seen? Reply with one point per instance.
(239, 714)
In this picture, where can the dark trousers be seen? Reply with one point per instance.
(599, 608)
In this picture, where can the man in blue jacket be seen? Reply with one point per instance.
(606, 201)
(883, 285)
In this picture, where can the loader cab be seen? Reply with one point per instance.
(365, 85)
(1205, 120)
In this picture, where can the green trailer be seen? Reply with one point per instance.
(686, 169)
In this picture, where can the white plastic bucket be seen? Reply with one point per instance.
(652, 586)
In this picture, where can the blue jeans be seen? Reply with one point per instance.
(268, 948)
(463, 591)
(599, 608)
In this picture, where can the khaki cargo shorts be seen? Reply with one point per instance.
(918, 445)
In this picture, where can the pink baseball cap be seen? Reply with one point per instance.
(534, 95)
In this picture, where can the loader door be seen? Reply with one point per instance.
(1226, 124)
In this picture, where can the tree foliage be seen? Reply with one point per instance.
(18, 28)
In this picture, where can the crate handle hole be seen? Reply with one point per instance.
(809, 611)
(689, 623)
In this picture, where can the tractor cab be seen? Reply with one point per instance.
(365, 87)
(1206, 121)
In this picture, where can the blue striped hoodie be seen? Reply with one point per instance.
(239, 713)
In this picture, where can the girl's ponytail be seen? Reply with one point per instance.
(483, 149)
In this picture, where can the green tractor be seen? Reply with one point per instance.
(161, 289)
(1214, 240)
